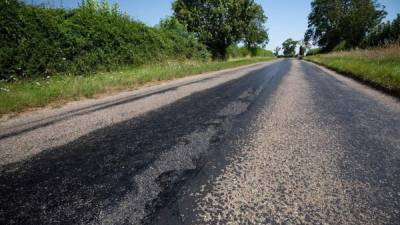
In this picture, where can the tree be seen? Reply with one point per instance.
(303, 47)
(384, 33)
(172, 24)
(289, 47)
(332, 22)
(378, 35)
(277, 50)
(220, 23)
(395, 29)
(301, 51)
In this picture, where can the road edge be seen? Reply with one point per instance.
(369, 83)
(65, 102)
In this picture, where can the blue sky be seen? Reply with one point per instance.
(286, 18)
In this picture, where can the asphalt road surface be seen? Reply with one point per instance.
(281, 142)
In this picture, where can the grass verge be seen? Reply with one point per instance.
(27, 94)
(379, 67)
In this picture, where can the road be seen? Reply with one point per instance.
(281, 142)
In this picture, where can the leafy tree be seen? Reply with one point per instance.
(38, 41)
(313, 51)
(277, 50)
(235, 51)
(386, 32)
(172, 24)
(342, 21)
(304, 45)
(378, 35)
(301, 50)
(395, 29)
(220, 23)
(289, 47)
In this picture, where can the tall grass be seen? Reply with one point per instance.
(36, 92)
(379, 66)
(389, 52)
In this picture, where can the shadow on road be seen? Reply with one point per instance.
(72, 183)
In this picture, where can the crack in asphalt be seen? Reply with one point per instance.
(280, 143)
(67, 129)
(112, 175)
(36, 124)
(316, 151)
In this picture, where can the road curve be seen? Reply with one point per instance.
(282, 142)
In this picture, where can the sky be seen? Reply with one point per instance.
(286, 18)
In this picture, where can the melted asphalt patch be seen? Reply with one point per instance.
(97, 178)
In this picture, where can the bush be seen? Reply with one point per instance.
(37, 41)
(313, 51)
(342, 46)
(383, 34)
(234, 51)
(263, 53)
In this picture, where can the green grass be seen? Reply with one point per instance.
(26, 94)
(379, 67)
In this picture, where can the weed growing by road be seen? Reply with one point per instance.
(38, 92)
(379, 66)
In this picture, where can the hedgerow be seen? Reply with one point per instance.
(234, 51)
(37, 41)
